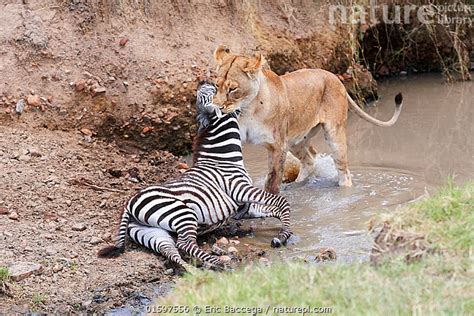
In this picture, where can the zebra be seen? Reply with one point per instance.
(167, 218)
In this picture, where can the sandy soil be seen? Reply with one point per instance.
(37, 175)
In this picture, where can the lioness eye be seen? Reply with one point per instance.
(232, 90)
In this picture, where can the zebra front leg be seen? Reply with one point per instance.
(276, 205)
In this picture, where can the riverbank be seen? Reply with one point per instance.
(421, 263)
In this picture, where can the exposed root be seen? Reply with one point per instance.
(394, 241)
(87, 183)
(326, 254)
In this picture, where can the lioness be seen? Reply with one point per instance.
(285, 112)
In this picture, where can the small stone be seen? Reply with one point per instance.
(50, 251)
(57, 268)
(95, 240)
(20, 106)
(123, 41)
(98, 90)
(22, 270)
(34, 152)
(86, 304)
(68, 202)
(168, 272)
(103, 204)
(13, 216)
(223, 241)
(3, 210)
(146, 129)
(80, 85)
(234, 241)
(79, 227)
(225, 258)
(87, 132)
(183, 165)
(33, 100)
(24, 158)
(232, 249)
(217, 251)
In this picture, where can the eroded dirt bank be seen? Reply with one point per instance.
(128, 71)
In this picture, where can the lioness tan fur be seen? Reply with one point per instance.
(285, 112)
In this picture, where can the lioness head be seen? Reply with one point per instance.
(237, 81)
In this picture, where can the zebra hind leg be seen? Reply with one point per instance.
(187, 243)
(158, 240)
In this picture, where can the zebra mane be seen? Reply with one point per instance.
(205, 108)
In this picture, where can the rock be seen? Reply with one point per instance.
(87, 132)
(33, 100)
(86, 304)
(24, 158)
(146, 129)
(57, 268)
(217, 251)
(68, 202)
(168, 272)
(183, 165)
(79, 227)
(13, 216)
(50, 251)
(98, 90)
(95, 240)
(20, 106)
(103, 204)
(123, 41)
(234, 241)
(80, 85)
(3, 210)
(223, 241)
(225, 259)
(22, 270)
(34, 152)
(232, 249)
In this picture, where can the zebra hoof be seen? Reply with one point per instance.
(276, 243)
(190, 268)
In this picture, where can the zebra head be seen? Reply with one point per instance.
(205, 108)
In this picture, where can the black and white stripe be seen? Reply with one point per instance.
(169, 217)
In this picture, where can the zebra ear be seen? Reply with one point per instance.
(221, 53)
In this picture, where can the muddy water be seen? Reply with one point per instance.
(433, 139)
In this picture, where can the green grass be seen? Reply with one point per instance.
(440, 283)
(3, 274)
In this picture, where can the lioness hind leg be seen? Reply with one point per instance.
(336, 138)
(307, 157)
(306, 153)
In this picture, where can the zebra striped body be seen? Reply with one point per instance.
(207, 195)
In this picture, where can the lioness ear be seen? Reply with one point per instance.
(254, 65)
(220, 53)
